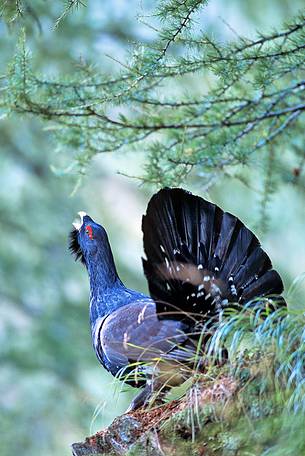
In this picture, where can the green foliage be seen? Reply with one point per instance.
(11, 10)
(253, 100)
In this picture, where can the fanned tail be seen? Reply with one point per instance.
(200, 258)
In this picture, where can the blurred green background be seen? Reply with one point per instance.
(53, 391)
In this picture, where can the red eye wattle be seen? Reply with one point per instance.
(89, 231)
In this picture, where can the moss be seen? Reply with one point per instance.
(239, 424)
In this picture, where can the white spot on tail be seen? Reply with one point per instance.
(233, 290)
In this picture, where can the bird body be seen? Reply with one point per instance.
(199, 260)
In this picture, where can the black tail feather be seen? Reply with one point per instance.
(200, 258)
(270, 284)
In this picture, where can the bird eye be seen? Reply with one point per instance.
(89, 231)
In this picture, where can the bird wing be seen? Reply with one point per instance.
(200, 258)
(135, 334)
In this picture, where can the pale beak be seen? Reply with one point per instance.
(78, 223)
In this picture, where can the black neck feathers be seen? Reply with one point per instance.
(102, 272)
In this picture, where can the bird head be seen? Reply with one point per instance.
(87, 238)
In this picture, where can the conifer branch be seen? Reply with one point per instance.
(256, 98)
